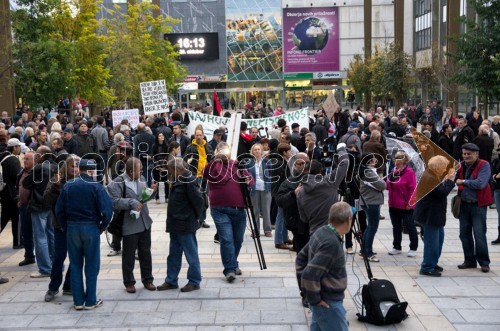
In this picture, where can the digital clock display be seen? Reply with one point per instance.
(195, 46)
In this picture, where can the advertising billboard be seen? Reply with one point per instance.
(195, 46)
(311, 39)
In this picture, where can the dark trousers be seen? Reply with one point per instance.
(398, 217)
(116, 242)
(274, 211)
(27, 232)
(11, 212)
(60, 253)
(299, 240)
(362, 227)
(142, 242)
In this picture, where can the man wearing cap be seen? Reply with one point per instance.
(70, 145)
(9, 195)
(84, 209)
(351, 137)
(472, 181)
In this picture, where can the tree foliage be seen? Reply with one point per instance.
(40, 62)
(478, 51)
(387, 74)
(138, 52)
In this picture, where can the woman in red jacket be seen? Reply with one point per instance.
(401, 183)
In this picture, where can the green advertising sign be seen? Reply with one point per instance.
(298, 75)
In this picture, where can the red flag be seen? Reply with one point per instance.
(217, 107)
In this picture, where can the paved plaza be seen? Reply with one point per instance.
(258, 300)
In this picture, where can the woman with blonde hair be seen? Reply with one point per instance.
(55, 131)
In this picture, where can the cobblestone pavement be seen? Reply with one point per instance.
(257, 300)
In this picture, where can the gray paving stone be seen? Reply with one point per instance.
(98, 320)
(136, 307)
(146, 318)
(481, 316)
(456, 303)
(192, 305)
(63, 320)
(237, 317)
(14, 308)
(238, 292)
(15, 321)
(223, 304)
(190, 318)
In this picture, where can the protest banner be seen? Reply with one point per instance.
(132, 115)
(154, 97)
(211, 122)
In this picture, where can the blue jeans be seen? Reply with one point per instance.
(473, 221)
(230, 223)
(280, 231)
(183, 243)
(497, 202)
(43, 236)
(60, 253)
(332, 318)
(84, 248)
(398, 216)
(373, 217)
(433, 245)
(27, 232)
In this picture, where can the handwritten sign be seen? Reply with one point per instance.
(132, 115)
(154, 97)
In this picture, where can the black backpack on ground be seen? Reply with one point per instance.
(381, 303)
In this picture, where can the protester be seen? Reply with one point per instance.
(68, 171)
(260, 169)
(24, 214)
(183, 211)
(472, 181)
(372, 192)
(43, 231)
(136, 226)
(160, 154)
(321, 271)
(401, 183)
(495, 170)
(430, 211)
(11, 167)
(84, 209)
(227, 206)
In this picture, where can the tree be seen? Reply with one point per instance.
(77, 28)
(359, 75)
(40, 62)
(478, 51)
(139, 53)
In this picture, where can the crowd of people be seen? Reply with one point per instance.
(62, 179)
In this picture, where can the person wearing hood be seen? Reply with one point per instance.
(183, 211)
(317, 193)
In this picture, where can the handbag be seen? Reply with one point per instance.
(115, 227)
(456, 201)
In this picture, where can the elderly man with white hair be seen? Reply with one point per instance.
(484, 142)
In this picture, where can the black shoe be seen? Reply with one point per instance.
(190, 287)
(166, 286)
(216, 238)
(485, 268)
(304, 303)
(496, 241)
(438, 268)
(26, 262)
(18, 247)
(433, 273)
(466, 265)
(205, 225)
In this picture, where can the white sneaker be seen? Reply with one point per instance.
(412, 253)
(39, 275)
(394, 251)
(114, 253)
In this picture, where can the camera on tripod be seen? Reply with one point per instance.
(328, 148)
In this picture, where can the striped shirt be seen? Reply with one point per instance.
(320, 267)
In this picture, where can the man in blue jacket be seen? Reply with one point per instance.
(85, 209)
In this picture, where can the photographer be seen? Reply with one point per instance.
(318, 192)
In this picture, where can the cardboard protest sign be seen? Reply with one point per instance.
(132, 115)
(154, 97)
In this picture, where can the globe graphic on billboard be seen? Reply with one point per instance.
(310, 34)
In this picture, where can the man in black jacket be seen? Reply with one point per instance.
(143, 150)
(485, 143)
(43, 231)
(465, 135)
(179, 137)
(184, 196)
(9, 195)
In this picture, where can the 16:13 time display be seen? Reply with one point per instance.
(191, 43)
